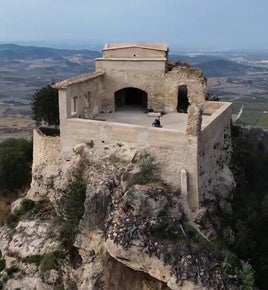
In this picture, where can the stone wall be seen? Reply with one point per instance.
(184, 75)
(45, 148)
(215, 153)
(88, 96)
(172, 150)
(202, 153)
(150, 76)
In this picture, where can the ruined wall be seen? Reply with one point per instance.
(215, 153)
(45, 148)
(184, 75)
(171, 149)
(150, 76)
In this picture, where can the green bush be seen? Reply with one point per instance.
(72, 203)
(59, 287)
(45, 106)
(72, 209)
(146, 173)
(12, 220)
(67, 233)
(229, 236)
(15, 164)
(246, 276)
(10, 271)
(27, 205)
(34, 259)
(48, 262)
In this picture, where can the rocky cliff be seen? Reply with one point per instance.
(107, 221)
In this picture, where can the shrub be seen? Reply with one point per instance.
(72, 204)
(48, 262)
(34, 259)
(12, 220)
(146, 173)
(45, 106)
(67, 233)
(59, 287)
(10, 271)
(113, 158)
(246, 276)
(15, 164)
(27, 205)
(229, 235)
(72, 209)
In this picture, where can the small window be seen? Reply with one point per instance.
(75, 99)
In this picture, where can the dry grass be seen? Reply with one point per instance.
(15, 126)
(20, 121)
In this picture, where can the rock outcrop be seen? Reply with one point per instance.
(134, 232)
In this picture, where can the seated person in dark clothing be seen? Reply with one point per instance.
(156, 123)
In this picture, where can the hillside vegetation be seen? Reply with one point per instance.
(246, 231)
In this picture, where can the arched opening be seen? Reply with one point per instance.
(183, 101)
(131, 98)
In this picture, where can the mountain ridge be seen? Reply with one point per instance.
(14, 51)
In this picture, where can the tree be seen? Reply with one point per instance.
(15, 164)
(45, 106)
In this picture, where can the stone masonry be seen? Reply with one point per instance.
(139, 74)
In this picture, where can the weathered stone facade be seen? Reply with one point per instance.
(154, 85)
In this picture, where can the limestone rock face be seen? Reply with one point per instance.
(32, 238)
(131, 236)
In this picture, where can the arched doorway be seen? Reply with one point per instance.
(131, 98)
(183, 101)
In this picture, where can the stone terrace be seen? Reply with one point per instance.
(137, 116)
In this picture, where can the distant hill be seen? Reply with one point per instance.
(196, 59)
(213, 65)
(14, 52)
(222, 67)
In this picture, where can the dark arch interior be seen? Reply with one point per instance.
(183, 101)
(131, 97)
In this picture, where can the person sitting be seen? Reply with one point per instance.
(156, 123)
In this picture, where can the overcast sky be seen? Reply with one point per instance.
(203, 24)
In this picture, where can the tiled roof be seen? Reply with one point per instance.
(64, 84)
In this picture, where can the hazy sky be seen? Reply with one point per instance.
(208, 24)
